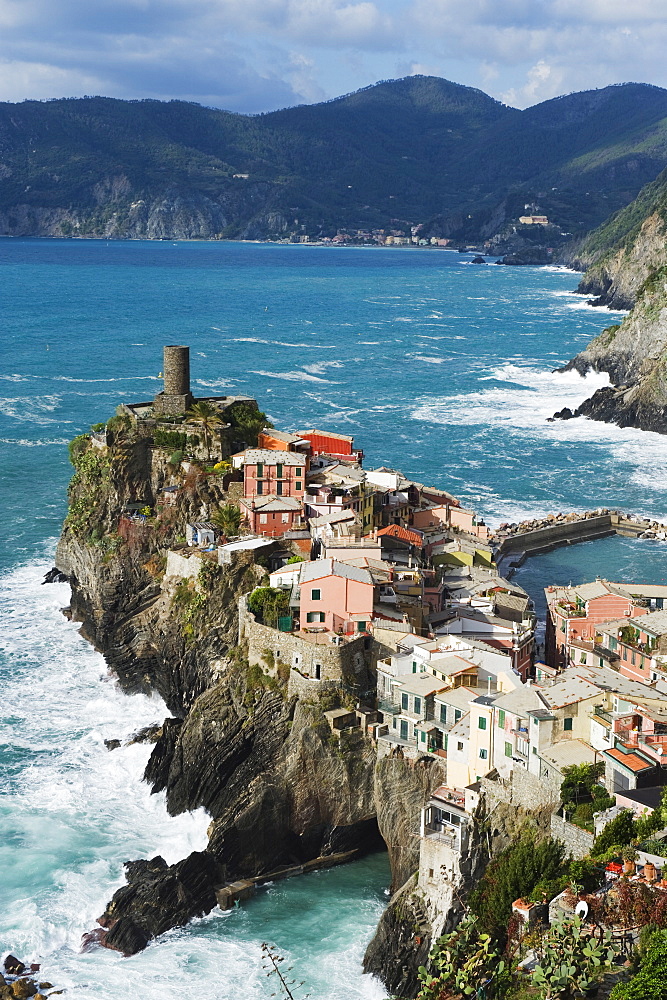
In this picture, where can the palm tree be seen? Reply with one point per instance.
(227, 518)
(206, 415)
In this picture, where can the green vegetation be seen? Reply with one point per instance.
(248, 421)
(571, 960)
(413, 149)
(174, 440)
(526, 869)
(294, 559)
(581, 794)
(208, 417)
(650, 983)
(269, 604)
(190, 607)
(87, 486)
(461, 963)
(227, 519)
(619, 832)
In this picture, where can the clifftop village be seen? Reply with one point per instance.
(394, 593)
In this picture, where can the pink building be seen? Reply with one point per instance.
(450, 516)
(271, 472)
(336, 595)
(272, 515)
(575, 613)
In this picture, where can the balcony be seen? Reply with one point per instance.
(602, 713)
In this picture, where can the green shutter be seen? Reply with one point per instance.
(508, 749)
(501, 718)
(481, 722)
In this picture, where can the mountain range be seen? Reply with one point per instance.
(420, 150)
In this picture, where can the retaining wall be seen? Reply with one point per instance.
(579, 843)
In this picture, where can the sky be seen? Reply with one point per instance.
(258, 55)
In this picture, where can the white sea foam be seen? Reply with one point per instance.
(586, 306)
(320, 367)
(32, 409)
(77, 812)
(291, 376)
(27, 443)
(72, 812)
(428, 360)
(524, 400)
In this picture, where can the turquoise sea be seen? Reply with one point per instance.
(437, 366)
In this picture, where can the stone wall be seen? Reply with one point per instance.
(185, 566)
(306, 688)
(323, 661)
(579, 843)
(544, 539)
(523, 790)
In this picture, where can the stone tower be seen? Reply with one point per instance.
(176, 397)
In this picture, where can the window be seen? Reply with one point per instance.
(483, 754)
(260, 469)
(414, 666)
(279, 470)
(260, 489)
(316, 595)
(361, 626)
(263, 518)
(633, 658)
(613, 643)
(459, 746)
(508, 749)
(315, 616)
(279, 489)
(430, 873)
(567, 725)
(501, 718)
(285, 518)
(443, 713)
(418, 705)
(582, 656)
(481, 722)
(422, 737)
(404, 701)
(457, 714)
(522, 747)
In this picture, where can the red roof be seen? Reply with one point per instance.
(405, 534)
(630, 760)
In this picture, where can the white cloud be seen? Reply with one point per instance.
(258, 54)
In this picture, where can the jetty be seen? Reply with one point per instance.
(514, 543)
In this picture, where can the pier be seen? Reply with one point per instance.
(513, 544)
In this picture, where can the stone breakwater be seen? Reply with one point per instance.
(513, 543)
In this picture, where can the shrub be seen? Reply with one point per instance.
(515, 873)
(620, 831)
(651, 980)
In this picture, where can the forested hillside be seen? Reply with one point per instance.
(418, 150)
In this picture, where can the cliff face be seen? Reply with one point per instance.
(634, 355)
(616, 279)
(280, 787)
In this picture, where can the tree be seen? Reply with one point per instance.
(227, 519)
(522, 869)
(619, 832)
(248, 421)
(208, 416)
(578, 781)
(270, 604)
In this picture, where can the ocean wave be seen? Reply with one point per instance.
(428, 360)
(27, 443)
(586, 306)
(319, 367)
(31, 409)
(292, 376)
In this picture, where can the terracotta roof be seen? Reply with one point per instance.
(405, 534)
(630, 760)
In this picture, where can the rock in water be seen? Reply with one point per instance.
(54, 576)
(158, 897)
(112, 744)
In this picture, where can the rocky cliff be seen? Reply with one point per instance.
(634, 354)
(280, 787)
